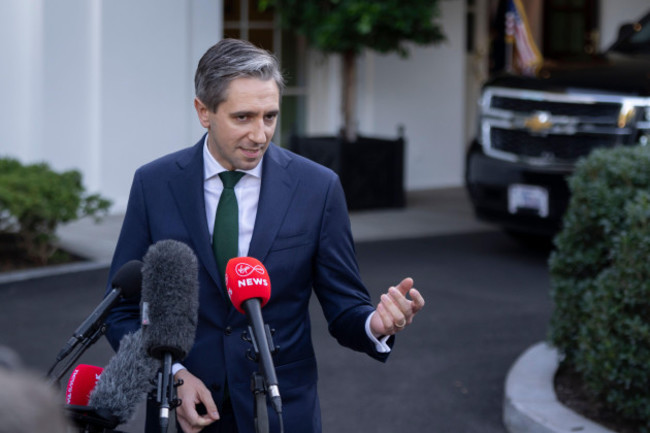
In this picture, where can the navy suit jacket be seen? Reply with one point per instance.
(302, 236)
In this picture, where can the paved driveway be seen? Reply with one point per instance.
(487, 300)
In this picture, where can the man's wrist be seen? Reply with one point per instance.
(380, 342)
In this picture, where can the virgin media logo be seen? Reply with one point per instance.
(246, 270)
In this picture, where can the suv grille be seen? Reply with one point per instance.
(555, 129)
(549, 147)
(605, 110)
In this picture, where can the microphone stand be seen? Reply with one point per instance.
(260, 413)
(258, 384)
(85, 343)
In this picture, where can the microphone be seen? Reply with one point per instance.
(249, 289)
(169, 311)
(125, 380)
(126, 283)
(80, 386)
(81, 383)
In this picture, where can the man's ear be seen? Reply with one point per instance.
(202, 112)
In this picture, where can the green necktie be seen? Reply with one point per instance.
(225, 239)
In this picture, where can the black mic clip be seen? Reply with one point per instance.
(54, 375)
(166, 396)
(254, 354)
(168, 390)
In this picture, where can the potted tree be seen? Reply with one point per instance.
(371, 169)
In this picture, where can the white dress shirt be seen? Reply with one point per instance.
(247, 191)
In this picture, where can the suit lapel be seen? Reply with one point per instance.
(187, 189)
(275, 196)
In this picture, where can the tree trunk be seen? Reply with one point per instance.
(349, 95)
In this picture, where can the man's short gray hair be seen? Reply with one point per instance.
(228, 60)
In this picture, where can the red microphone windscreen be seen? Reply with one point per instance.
(81, 383)
(247, 278)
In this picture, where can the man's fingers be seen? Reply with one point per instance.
(396, 319)
(400, 301)
(386, 317)
(193, 392)
(210, 406)
(418, 300)
(395, 310)
(392, 306)
(405, 285)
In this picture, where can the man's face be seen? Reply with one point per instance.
(242, 127)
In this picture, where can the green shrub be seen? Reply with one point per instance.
(34, 200)
(600, 277)
(613, 353)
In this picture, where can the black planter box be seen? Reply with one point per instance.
(371, 169)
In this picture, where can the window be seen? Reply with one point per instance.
(243, 20)
(570, 29)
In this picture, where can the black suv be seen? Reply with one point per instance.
(532, 130)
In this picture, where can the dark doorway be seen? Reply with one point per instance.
(570, 29)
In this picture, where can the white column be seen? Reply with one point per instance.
(20, 78)
(94, 174)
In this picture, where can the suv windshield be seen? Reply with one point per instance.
(634, 38)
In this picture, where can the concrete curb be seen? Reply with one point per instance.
(530, 404)
(51, 271)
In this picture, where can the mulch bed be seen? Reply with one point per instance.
(13, 258)
(572, 392)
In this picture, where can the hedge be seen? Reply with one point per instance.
(600, 279)
(34, 200)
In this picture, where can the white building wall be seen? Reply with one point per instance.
(66, 113)
(150, 49)
(144, 95)
(424, 93)
(101, 86)
(21, 74)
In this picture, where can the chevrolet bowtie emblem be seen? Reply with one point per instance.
(538, 122)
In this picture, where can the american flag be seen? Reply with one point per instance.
(518, 37)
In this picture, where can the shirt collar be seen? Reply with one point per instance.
(212, 168)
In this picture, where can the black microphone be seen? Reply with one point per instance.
(126, 283)
(169, 311)
(125, 380)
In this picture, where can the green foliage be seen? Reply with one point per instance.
(600, 276)
(34, 200)
(339, 26)
(347, 27)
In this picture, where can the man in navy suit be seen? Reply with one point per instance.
(292, 217)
